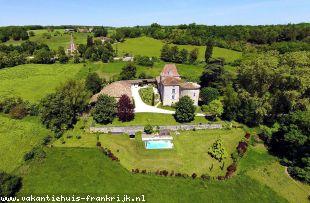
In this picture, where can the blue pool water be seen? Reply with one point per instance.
(159, 144)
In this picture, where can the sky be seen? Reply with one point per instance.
(119, 13)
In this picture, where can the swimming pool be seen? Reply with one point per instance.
(158, 144)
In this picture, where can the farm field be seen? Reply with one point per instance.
(55, 41)
(97, 174)
(151, 47)
(18, 137)
(33, 81)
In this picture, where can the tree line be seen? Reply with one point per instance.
(269, 91)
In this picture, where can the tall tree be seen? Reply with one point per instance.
(128, 72)
(209, 51)
(59, 111)
(105, 109)
(185, 110)
(193, 56)
(93, 83)
(125, 109)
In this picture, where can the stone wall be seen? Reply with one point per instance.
(128, 129)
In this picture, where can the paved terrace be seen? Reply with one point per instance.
(129, 129)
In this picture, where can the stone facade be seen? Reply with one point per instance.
(171, 87)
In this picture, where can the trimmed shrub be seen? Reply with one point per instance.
(148, 129)
(194, 175)
(98, 144)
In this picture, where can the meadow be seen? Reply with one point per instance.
(34, 81)
(18, 137)
(147, 46)
(88, 172)
(266, 169)
(62, 39)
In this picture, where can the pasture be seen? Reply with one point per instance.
(18, 137)
(56, 40)
(147, 46)
(98, 175)
(34, 81)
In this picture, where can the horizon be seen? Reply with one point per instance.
(133, 13)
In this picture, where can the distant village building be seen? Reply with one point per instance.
(85, 30)
(71, 47)
(171, 87)
(69, 30)
(105, 39)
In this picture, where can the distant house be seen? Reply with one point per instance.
(84, 30)
(171, 87)
(105, 39)
(69, 30)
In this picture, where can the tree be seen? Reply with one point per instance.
(59, 111)
(90, 41)
(9, 184)
(209, 51)
(125, 109)
(100, 32)
(63, 58)
(193, 56)
(128, 72)
(104, 111)
(183, 56)
(165, 53)
(231, 103)
(212, 75)
(43, 56)
(217, 150)
(93, 83)
(208, 94)
(215, 108)
(185, 110)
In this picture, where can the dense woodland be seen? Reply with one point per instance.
(269, 90)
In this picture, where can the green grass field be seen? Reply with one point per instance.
(155, 119)
(34, 81)
(16, 138)
(87, 171)
(147, 46)
(110, 70)
(55, 41)
(266, 169)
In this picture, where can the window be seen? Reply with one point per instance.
(172, 96)
(194, 94)
(173, 91)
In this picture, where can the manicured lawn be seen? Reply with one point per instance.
(16, 138)
(34, 81)
(189, 155)
(151, 47)
(87, 171)
(266, 169)
(154, 119)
